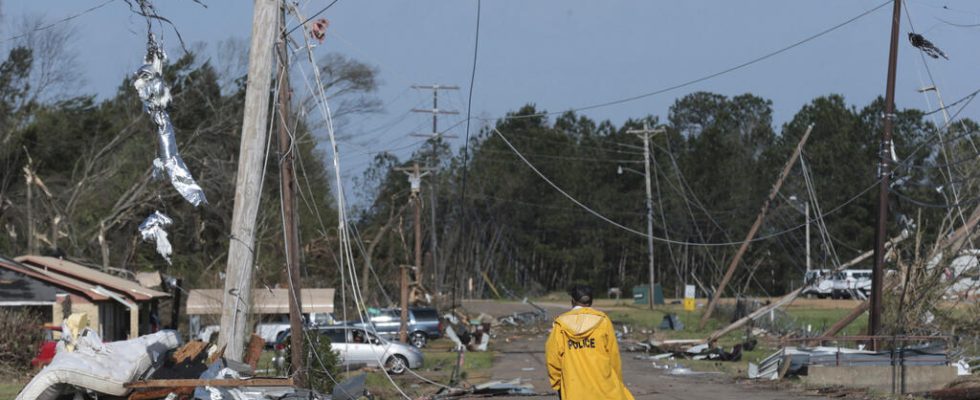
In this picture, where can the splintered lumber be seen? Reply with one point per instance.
(794, 294)
(181, 383)
(755, 314)
(189, 351)
(755, 227)
(216, 355)
(254, 351)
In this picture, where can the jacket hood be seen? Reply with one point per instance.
(580, 322)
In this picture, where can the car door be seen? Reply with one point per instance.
(388, 323)
(338, 342)
(359, 348)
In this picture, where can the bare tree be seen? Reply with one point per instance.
(54, 73)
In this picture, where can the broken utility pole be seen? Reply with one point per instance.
(789, 297)
(435, 111)
(415, 175)
(755, 227)
(287, 190)
(645, 134)
(237, 295)
(884, 170)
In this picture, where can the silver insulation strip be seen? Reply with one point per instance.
(155, 94)
(152, 230)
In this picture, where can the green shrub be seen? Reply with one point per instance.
(322, 363)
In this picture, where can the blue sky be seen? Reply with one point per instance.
(563, 54)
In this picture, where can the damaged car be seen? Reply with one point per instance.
(357, 348)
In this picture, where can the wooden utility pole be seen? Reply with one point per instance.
(884, 170)
(645, 134)
(415, 175)
(755, 227)
(435, 111)
(287, 190)
(237, 296)
(31, 230)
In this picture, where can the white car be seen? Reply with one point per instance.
(272, 327)
(358, 348)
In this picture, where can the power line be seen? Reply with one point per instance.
(65, 19)
(311, 18)
(466, 141)
(716, 74)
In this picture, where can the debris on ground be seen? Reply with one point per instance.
(153, 366)
(491, 389)
(791, 361)
(687, 349)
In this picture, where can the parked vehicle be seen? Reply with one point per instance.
(820, 288)
(47, 348)
(852, 283)
(423, 324)
(272, 327)
(356, 348)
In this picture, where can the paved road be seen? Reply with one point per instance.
(521, 355)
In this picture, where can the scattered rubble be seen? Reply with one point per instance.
(153, 366)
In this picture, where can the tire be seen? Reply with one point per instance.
(418, 339)
(396, 364)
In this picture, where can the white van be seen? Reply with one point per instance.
(820, 288)
(852, 284)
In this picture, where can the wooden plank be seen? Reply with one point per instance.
(180, 383)
(787, 361)
(254, 352)
(189, 351)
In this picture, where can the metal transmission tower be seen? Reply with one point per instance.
(645, 135)
(435, 111)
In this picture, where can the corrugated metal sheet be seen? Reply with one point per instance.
(82, 288)
(80, 272)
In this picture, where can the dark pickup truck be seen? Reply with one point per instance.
(423, 324)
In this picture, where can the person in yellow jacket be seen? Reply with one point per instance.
(582, 353)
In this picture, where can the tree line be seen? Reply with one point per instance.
(75, 181)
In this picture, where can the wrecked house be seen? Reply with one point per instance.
(119, 309)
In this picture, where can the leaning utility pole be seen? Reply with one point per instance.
(884, 170)
(645, 134)
(237, 296)
(806, 210)
(415, 175)
(287, 190)
(755, 227)
(435, 111)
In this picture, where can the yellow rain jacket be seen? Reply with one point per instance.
(583, 357)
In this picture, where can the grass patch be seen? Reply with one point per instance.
(10, 388)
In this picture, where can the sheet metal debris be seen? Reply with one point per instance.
(152, 230)
(800, 358)
(155, 94)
